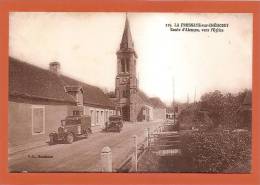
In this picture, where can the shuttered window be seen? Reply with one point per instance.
(38, 120)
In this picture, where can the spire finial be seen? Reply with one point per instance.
(127, 42)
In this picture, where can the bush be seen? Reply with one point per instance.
(218, 151)
(223, 109)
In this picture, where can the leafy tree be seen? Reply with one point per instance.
(213, 103)
(223, 108)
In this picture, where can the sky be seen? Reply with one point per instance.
(170, 65)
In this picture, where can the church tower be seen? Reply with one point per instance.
(126, 80)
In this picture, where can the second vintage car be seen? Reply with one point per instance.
(115, 124)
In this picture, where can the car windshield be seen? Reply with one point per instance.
(72, 120)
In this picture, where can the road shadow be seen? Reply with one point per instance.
(76, 139)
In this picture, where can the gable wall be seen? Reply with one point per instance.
(137, 105)
(20, 122)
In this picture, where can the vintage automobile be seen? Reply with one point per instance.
(72, 127)
(115, 124)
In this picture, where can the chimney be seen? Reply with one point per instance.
(55, 67)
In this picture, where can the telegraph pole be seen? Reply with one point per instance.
(194, 101)
(188, 99)
(173, 90)
(173, 98)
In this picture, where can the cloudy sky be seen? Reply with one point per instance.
(86, 43)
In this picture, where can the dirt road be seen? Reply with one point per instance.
(82, 155)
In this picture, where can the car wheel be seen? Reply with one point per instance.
(87, 133)
(52, 141)
(70, 138)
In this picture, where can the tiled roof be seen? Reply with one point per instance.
(92, 95)
(144, 97)
(157, 103)
(34, 82)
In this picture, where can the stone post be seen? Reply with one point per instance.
(146, 133)
(106, 159)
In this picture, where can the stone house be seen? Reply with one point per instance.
(39, 99)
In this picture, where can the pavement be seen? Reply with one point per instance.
(35, 144)
(82, 155)
(15, 149)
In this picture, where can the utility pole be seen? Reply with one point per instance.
(173, 98)
(188, 99)
(173, 90)
(194, 101)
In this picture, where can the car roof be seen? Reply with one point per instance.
(115, 116)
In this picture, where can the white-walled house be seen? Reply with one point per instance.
(39, 99)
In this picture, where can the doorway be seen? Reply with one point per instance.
(126, 113)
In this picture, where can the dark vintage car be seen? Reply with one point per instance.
(72, 127)
(115, 124)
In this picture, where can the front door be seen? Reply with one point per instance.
(126, 113)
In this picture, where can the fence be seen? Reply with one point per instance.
(161, 140)
(165, 141)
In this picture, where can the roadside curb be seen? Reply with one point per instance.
(15, 150)
(21, 148)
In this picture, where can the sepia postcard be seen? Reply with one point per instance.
(134, 93)
(130, 92)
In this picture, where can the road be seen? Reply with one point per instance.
(82, 155)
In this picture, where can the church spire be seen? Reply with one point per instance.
(127, 42)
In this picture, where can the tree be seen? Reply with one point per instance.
(213, 103)
(223, 108)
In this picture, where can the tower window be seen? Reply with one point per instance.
(123, 65)
(127, 65)
(125, 93)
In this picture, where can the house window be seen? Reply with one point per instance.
(92, 115)
(97, 117)
(106, 117)
(38, 120)
(102, 116)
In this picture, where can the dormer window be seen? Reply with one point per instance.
(76, 92)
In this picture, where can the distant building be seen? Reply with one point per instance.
(39, 99)
(159, 109)
(170, 113)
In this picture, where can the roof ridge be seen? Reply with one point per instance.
(48, 84)
(47, 70)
